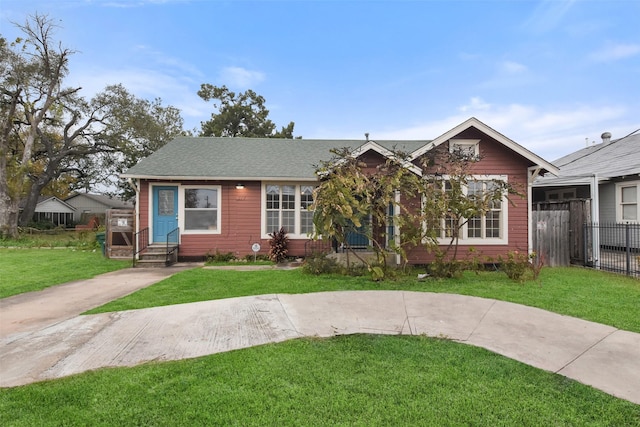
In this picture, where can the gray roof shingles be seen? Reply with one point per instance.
(246, 158)
(618, 158)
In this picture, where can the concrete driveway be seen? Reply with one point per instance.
(34, 350)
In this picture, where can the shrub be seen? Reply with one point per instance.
(445, 268)
(319, 263)
(258, 257)
(220, 257)
(278, 245)
(515, 265)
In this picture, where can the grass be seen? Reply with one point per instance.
(85, 239)
(592, 295)
(359, 380)
(26, 270)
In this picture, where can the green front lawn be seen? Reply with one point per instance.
(592, 295)
(26, 270)
(360, 380)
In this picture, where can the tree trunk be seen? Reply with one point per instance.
(30, 204)
(8, 214)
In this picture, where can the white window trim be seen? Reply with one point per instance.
(297, 217)
(504, 221)
(181, 209)
(465, 143)
(618, 201)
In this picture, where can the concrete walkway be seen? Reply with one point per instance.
(594, 354)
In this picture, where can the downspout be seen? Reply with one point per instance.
(136, 211)
(595, 220)
(532, 174)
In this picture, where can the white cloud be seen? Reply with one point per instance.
(511, 67)
(615, 52)
(240, 77)
(475, 104)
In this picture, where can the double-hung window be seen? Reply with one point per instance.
(487, 228)
(286, 205)
(628, 195)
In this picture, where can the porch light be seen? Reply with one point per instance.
(239, 186)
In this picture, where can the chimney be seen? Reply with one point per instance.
(366, 135)
(606, 138)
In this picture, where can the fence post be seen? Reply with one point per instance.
(584, 243)
(627, 236)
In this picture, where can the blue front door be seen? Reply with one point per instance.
(165, 212)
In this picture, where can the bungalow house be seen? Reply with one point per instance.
(51, 210)
(227, 194)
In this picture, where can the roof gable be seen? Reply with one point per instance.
(53, 204)
(507, 142)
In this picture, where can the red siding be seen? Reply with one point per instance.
(241, 209)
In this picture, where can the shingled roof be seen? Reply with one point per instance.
(615, 159)
(246, 158)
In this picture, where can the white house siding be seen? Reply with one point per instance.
(54, 211)
(607, 203)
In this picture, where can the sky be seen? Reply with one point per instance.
(552, 75)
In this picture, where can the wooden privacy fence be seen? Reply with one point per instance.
(557, 231)
(551, 237)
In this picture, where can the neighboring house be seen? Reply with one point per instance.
(612, 167)
(88, 205)
(52, 210)
(225, 194)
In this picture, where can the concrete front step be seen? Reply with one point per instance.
(155, 256)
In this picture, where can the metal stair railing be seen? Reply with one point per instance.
(173, 242)
(140, 243)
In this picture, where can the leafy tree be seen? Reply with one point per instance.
(137, 127)
(239, 115)
(50, 135)
(452, 195)
(33, 98)
(353, 200)
(434, 200)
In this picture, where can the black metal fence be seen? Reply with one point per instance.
(613, 247)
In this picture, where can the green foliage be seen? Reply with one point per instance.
(278, 245)
(54, 141)
(354, 200)
(239, 115)
(445, 267)
(41, 225)
(515, 265)
(219, 257)
(53, 238)
(318, 263)
(256, 257)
